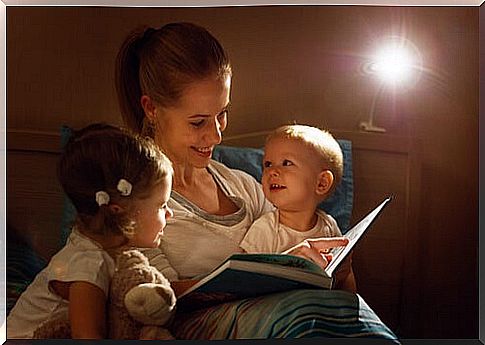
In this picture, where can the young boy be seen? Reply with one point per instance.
(302, 166)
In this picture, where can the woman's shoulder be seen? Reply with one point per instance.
(241, 184)
(232, 175)
(224, 169)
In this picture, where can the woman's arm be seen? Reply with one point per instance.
(87, 305)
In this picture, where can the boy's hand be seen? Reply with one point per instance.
(316, 249)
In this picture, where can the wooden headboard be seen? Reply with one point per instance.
(385, 261)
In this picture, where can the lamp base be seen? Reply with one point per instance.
(369, 127)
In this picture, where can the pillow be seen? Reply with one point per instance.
(250, 160)
(22, 265)
(68, 210)
(339, 204)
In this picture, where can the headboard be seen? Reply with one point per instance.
(385, 261)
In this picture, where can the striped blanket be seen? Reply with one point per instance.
(293, 314)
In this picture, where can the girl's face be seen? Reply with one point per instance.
(189, 131)
(290, 174)
(151, 216)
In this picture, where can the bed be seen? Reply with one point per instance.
(373, 169)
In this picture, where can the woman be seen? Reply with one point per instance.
(174, 84)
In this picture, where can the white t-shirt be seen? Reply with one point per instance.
(192, 244)
(81, 259)
(268, 235)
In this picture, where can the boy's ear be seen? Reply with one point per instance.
(149, 107)
(324, 182)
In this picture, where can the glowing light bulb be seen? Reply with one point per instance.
(397, 62)
(393, 64)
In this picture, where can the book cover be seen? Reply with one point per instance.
(249, 275)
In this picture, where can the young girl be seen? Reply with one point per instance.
(119, 184)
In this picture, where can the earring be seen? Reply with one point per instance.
(148, 128)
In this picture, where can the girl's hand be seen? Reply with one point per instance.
(316, 249)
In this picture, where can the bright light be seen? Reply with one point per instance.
(393, 64)
(396, 61)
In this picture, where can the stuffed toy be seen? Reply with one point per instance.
(141, 302)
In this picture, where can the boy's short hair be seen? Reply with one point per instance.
(321, 141)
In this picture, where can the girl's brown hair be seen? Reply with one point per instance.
(161, 63)
(95, 159)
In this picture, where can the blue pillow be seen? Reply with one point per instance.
(339, 204)
(68, 210)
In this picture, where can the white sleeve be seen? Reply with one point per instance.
(88, 266)
(260, 203)
(243, 185)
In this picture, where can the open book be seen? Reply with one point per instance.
(249, 275)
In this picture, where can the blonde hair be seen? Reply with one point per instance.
(319, 140)
(95, 159)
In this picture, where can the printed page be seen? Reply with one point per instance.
(354, 234)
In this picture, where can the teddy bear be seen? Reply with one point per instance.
(141, 302)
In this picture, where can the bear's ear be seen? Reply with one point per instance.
(150, 303)
(130, 258)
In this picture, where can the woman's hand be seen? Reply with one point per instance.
(344, 277)
(316, 249)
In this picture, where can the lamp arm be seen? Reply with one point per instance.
(369, 125)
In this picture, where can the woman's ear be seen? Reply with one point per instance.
(149, 107)
(324, 182)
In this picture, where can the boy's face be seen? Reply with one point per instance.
(291, 174)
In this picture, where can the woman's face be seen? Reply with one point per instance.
(188, 131)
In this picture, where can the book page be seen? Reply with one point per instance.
(354, 234)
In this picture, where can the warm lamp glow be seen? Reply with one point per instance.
(393, 64)
(397, 62)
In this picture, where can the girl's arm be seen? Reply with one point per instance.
(87, 314)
